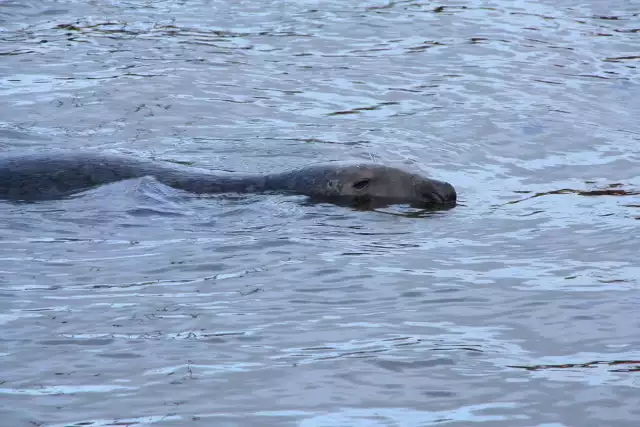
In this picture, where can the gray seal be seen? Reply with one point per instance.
(33, 177)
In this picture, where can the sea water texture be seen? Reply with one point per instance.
(134, 304)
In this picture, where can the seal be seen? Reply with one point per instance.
(46, 176)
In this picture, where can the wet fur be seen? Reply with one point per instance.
(31, 177)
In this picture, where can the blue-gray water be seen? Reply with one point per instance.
(138, 305)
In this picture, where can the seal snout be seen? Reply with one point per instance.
(449, 193)
(439, 192)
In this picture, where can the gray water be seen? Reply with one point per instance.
(135, 304)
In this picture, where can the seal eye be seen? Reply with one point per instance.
(359, 185)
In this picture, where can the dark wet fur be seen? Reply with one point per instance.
(33, 177)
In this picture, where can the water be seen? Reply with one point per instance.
(137, 305)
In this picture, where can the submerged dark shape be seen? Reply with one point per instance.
(33, 177)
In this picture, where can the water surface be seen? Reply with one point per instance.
(134, 304)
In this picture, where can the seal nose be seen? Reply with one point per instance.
(440, 192)
(448, 192)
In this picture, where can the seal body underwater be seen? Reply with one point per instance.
(44, 176)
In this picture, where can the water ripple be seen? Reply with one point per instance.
(272, 310)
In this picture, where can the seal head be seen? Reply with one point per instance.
(369, 184)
